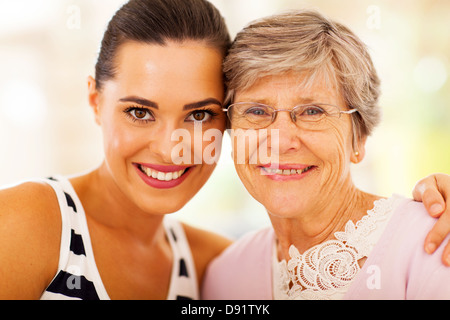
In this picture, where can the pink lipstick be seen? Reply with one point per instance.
(162, 177)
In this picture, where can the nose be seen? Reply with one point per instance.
(162, 142)
(288, 134)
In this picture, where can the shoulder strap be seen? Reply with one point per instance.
(183, 283)
(63, 200)
(77, 276)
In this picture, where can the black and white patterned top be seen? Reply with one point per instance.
(78, 278)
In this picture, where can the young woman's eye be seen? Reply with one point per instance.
(201, 115)
(139, 114)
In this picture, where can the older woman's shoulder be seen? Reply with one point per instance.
(412, 217)
(243, 270)
(409, 224)
(398, 266)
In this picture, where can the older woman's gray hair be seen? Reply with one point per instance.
(307, 41)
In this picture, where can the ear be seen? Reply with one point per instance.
(93, 97)
(359, 150)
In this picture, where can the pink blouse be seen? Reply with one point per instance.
(397, 267)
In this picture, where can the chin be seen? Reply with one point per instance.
(283, 213)
(284, 206)
(163, 208)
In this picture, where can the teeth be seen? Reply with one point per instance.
(162, 176)
(285, 172)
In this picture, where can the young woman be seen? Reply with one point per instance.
(159, 70)
(105, 234)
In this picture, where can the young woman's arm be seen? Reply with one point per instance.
(434, 192)
(30, 232)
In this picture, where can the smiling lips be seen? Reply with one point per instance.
(283, 172)
(162, 177)
(166, 177)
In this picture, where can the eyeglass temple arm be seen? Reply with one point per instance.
(349, 112)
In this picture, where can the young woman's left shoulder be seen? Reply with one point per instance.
(205, 246)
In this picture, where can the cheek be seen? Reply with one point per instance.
(212, 146)
(197, 146)
(334, 148)
(120, 142)
(246, 146)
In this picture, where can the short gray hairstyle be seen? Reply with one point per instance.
(307, 41)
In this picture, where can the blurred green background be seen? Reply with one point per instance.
(49, 47)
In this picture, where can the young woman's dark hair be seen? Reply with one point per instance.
(156, 22)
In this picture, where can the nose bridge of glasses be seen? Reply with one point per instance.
(290, 111)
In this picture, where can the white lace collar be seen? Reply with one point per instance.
(326, 271)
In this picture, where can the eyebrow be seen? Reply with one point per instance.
(140, 101)
(190, 106)
(307, 100)
(202, 103)
(301, 101)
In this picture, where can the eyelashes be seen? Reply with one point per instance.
(144, 115)
(202, 115)
(139, 114)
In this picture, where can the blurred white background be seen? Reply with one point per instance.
(49, 47)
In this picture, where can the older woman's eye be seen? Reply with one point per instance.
(256, 111)
(312, 112)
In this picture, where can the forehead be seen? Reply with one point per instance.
(168, 69)
(294, 88)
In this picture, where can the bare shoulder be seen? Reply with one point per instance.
(30, 230)
(205, 246)
(28, 202)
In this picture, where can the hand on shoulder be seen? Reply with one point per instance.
(30, 233)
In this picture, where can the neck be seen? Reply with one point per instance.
(317, 225)
(107, 207)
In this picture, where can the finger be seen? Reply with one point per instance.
(446, 255)
(433, 201)
(420, 188)
(438, 233)
(427, 191)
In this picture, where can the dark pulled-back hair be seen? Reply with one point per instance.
(159, 21)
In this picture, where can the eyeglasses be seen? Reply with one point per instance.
(252, 115)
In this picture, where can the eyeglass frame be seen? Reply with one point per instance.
(291, 111)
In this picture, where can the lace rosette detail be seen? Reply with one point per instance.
(327, 268)
(326, 271)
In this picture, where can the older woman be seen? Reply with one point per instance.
(311, 82)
